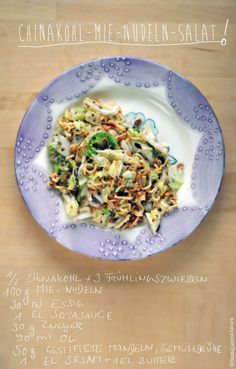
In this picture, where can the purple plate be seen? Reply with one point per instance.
(176, 111)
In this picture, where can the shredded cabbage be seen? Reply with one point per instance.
(111, 168)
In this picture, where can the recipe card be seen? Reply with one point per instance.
(117, 204)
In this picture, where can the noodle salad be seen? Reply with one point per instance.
(112, 169)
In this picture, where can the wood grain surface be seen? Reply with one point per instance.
(142, 313)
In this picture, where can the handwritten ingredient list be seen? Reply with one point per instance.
(52, 316)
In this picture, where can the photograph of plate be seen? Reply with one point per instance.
(180, 115)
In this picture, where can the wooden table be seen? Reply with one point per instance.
(198, 310)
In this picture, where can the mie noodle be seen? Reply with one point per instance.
(109, 170)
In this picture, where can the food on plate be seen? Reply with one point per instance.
(111, 169)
